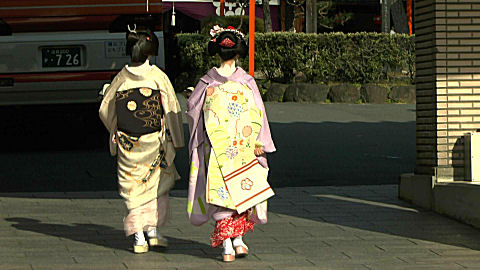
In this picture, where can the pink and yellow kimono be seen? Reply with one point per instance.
(227, 121)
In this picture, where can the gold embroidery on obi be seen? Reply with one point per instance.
(150, 115)
(123, 94)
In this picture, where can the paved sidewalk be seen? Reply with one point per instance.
(353, 227)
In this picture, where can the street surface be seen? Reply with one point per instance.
(309, 228)
(64, 147)
(334, 175)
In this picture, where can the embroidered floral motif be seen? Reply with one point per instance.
(247, 184)
(231, 151)
(132, 105)
(146, 92)
(247, 131)
(210, 91)
(222, 193)
(234, 109)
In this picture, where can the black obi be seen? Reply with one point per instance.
(139, 111)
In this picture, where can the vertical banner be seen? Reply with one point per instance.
(251, 38)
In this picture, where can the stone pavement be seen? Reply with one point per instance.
(350, 227)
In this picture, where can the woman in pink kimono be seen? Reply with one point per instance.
(229, 136)
(143, 116)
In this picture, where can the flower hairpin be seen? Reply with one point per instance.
(216, 30)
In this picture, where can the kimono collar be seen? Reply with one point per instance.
(236, 76)
(139, 72)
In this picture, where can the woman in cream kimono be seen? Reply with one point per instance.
(229, 136)
(142, 114)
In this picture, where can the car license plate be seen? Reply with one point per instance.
(61, 57)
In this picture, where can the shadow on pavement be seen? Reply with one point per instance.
(355, 212)
(104, 236)
(373, 216)
(309, 154)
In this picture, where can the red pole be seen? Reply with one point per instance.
(222, 7)
(409, 15)
(251, 38)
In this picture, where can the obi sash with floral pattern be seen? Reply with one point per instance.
(235, 179)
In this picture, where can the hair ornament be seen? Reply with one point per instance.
(228, 43)
(217, 30)
(134, 28)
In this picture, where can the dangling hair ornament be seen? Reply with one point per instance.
(134, 28)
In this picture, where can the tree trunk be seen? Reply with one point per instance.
(267, 19)
(309, 16)
(399, 17)
(289, 18)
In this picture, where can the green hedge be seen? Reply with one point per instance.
(335, 57)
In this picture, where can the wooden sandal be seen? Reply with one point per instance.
(137, 249)
(229, 257)
(241, 251)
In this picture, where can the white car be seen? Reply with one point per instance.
(65, 53)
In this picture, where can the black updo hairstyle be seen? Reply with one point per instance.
(227, 53)
(141, 44)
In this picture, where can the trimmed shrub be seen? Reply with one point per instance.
(325, 58)
(194, 56)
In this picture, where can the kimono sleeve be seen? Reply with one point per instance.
(194, 115)
(265, 136)
(173, 113)
(107, 112)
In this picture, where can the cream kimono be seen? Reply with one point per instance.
(146, 171)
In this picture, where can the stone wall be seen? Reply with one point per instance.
(448, 106)
(338, 93)
(448, 83)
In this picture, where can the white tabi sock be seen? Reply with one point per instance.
(139, 239)
(152, 232)
(238, 241)
(227, 246)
